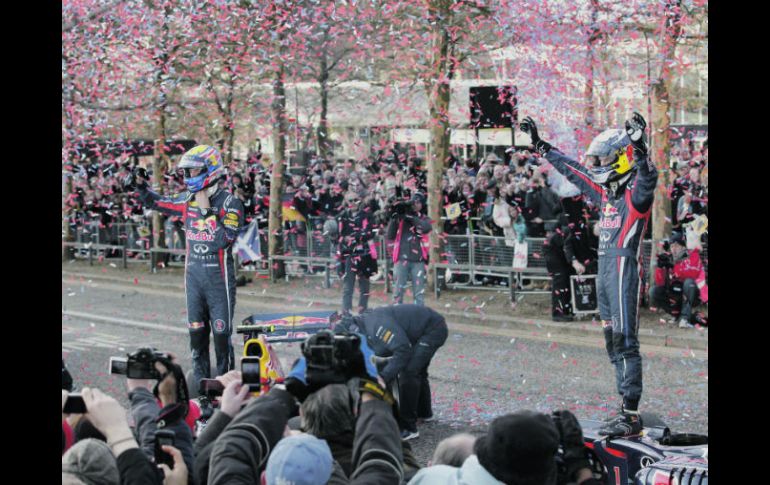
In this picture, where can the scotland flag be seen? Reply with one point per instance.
(247, 244)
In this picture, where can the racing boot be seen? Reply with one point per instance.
(629, 423)
(616, 416)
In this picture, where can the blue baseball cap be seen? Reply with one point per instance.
(300, 460)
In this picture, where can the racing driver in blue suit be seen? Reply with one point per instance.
(621, 179)
(212, 218)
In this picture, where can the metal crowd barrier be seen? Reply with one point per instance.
(310, 251)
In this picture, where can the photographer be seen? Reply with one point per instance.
(410, 230)
(356, 255)
(149, 416)
(680, 281)
(109, 418)
(411, 335)
(251, 443)
(519, 448)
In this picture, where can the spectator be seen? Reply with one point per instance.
(581, 247)
(542, 206)
(410, 231)
(560, 270)
(149, 415)
(680, 281)
(678, 188)
(356, 254)
(89, 461)
(519, 448)
(301, 459)
(453, 451)
(133, 465)
(411, 335)
(326, 414)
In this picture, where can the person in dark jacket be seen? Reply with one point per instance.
(240, 453)
(581, 247)
(410, 231)
(134, 466)
(164, 407)
(560, 271)
(541, 207)
(356, 255)
(410, 335)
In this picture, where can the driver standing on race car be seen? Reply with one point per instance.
(622, 179)
(212, 218)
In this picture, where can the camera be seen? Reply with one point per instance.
(332, 358)
(139, 365)
(400, 208)
(664, 261)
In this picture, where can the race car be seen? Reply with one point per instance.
(656, 457)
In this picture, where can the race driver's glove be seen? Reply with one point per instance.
(635, 129)
(528, 126)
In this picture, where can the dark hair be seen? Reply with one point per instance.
(327, 412)
(85, 429)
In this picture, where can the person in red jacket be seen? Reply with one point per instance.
(680, 281)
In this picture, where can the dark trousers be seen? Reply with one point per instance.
(414, 388)
(676, 299)
(348, 287)
(561, 299)
(210, 309)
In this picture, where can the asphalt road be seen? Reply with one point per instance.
(475, 377)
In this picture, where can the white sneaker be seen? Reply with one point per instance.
(685, 324)
(376, 277)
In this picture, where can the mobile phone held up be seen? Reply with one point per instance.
(74, 405)
(250, 370)
(164, 437)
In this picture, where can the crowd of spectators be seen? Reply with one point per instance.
(342, 205)
(336, 434)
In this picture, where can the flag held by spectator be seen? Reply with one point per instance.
(247, 244)
(453, 211)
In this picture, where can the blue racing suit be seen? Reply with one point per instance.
(625, 212)
(209, 272)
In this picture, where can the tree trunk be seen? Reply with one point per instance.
(229, 129)
(585, 132)
(66, 252)
(439, 134)
(661, 121)
(323, 123)
(275, 220)
(158, 232)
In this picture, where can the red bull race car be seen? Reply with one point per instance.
(657, 457)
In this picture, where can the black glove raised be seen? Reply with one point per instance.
(135, 179)
(528, 126)
(635, 129)
(571, 438)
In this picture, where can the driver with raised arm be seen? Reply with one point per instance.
(620, 178)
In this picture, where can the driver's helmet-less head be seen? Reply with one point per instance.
(203, 157)
(610, 156)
